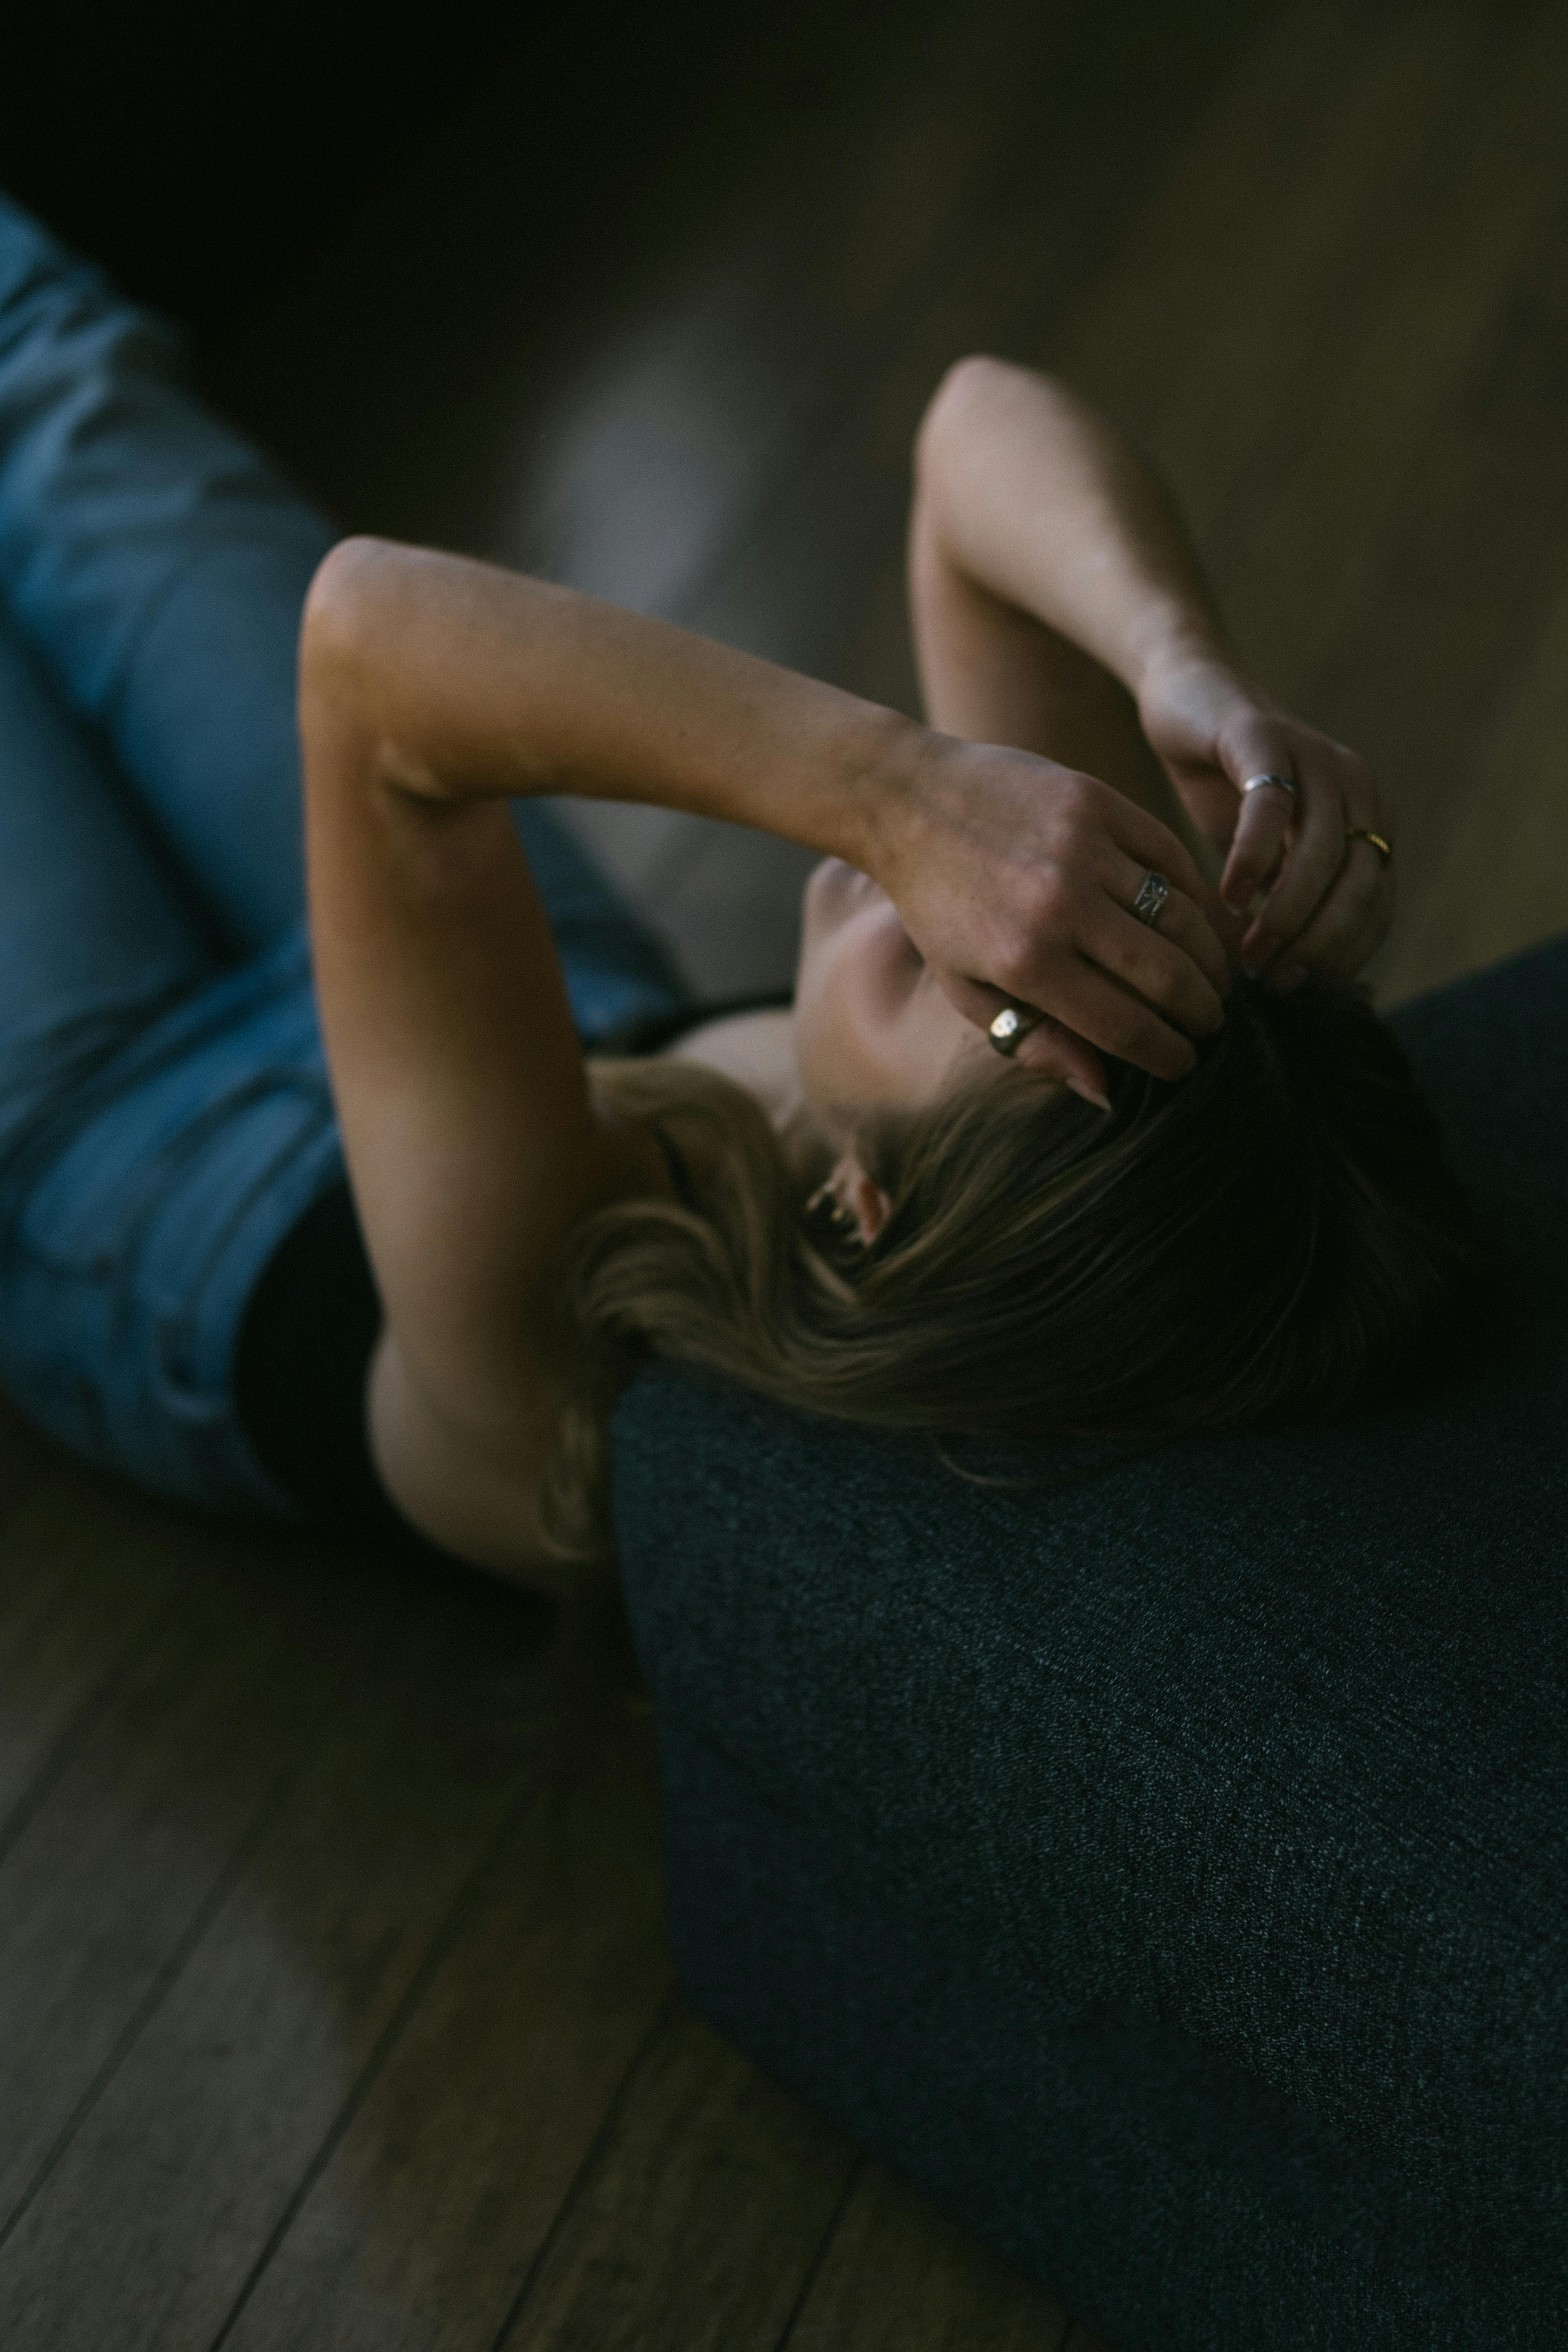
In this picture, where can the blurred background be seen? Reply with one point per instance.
(650, 302)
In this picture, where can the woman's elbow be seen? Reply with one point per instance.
(347, 582)
(341, 630)
(965, 406)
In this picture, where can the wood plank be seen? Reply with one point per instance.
(82, 1583)
(1470, 575)
(765, 419)
(823, 546)
(117, 1872)
(1413, 673)
(422, 2215)
(1303, 580)
(1133, 330)
(819, 579)
(898, 2276)
(1020, 248)
(167, 2194)
(695, 2227)
(1503, 881)
(1299, 274)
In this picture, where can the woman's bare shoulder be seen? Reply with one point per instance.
(756, 1050)
(467, 1461)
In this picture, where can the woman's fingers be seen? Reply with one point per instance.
(1019, 878)
(1141, 991)
(1151, 846)
(1050, 1048)
(1097, 1007)
(1205, 928)
(1216, 733)
(1107, 1012)
(1101, 1004)
(1174, 963)
(1337, 792)
(1258, 844)
(1314, 859)
(1351, 922)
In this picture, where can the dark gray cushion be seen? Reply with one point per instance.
(1163, 1869)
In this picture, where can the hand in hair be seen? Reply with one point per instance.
(1015, 877)
(1056, 591)
(1328, 900)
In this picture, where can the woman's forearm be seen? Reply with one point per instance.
(473, 682)
(430, 686)
(1044, 505)
(1041, 505)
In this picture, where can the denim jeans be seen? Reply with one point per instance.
(165, 1115)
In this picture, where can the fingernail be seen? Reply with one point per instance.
(1087, 1095)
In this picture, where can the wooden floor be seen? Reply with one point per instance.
(334, 2010)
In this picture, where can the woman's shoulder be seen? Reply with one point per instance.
(753, 1047)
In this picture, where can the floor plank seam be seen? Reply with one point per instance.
(441, 1943)
(71, 1741)
(659, 2025)
(856, 2174)
(163, 1984)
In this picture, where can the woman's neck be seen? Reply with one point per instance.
(756, 1050)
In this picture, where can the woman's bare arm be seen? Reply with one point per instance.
(1028, 499)
(433, 689)
(1013, 875)
(472, 1142)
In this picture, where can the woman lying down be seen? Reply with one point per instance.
(1057, 1138)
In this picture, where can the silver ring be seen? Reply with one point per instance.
(1153, 894)
(1010, 1028)
(1281, 785)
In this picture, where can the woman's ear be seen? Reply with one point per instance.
(860, 1204)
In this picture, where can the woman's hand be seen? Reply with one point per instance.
(1016, 879)
(1327, 901)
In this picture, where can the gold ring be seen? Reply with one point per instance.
(1011, 1026)
(1360, 833)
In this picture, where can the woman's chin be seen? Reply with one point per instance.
(825, 905)
(833, 892)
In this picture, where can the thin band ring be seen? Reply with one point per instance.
(1152, 893)
(1281, 785)
(1364, 832)
(1011, 1026)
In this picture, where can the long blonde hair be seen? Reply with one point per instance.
(1275, 1235)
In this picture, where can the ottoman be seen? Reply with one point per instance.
(1162, 1862)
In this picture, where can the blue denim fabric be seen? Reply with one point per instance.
(164, 1111)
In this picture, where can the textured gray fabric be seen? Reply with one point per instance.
(1166, 1872)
